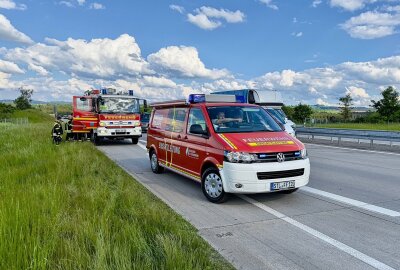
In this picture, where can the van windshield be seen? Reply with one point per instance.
(241, 119)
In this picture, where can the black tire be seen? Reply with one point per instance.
(135, 140)
(212, 187)
(95, 139)
(288, 191)
(154, 164)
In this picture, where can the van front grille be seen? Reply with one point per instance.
(280, 174)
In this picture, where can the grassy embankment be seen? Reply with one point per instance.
(70, 207)
(393, 127)
(33, 115)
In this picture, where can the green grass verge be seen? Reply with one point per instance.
(393, 127)
(70, 207)
(33, 115)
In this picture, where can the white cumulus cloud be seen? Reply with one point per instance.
(269, 4)
(316, 3)
(372, 24)
(357, 92)
(363, 80)
(177, 8)
(97, 6)
(350, 5)
(10, 67)
(10, 33)
(97, 58)
(9, 4)
(183, 61)
(209, 18)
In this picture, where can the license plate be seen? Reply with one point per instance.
(282, 185)
(119, 130)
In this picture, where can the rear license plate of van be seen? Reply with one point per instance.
(283, 185)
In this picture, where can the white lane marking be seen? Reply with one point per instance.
(354, 149)
(352, 202)
(339, 245)
(143, 141)
(142, 146)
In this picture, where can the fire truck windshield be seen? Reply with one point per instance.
(119, 105)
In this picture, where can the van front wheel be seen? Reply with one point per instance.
(212, 186)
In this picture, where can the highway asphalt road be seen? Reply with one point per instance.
(347, 218)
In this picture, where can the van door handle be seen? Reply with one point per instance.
(185, 138)
(178, 137)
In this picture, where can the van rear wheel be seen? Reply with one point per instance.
(212, 186)
(155, 166)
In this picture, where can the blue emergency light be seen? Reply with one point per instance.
(104, 91)
(201, 98)
(197, 98)
(240, 99)
(130, 92)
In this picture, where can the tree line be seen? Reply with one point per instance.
(387, 109)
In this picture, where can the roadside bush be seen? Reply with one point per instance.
(6, 110)
(372, 117)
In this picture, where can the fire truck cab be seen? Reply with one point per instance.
(107, 113)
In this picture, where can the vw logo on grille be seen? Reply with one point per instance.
(280, 157)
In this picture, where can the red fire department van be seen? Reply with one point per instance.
(107, 113)
(229, 147)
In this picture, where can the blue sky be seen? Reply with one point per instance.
(314, 51)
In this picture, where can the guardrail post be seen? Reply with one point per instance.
(339, 139)
(312, 137)
(372, 143)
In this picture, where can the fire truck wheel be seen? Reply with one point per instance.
(95, 139)
(155, 166)
(212, 187)
(135, 140)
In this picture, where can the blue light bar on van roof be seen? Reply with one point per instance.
(201, 98)
(130, 92)
(197, 98)
(104, 91)
(240, 99)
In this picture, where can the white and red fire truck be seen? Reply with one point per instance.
(106, 113)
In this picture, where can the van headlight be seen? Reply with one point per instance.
(102, 124)
(136, 123)
(237, 157)
(303, 153)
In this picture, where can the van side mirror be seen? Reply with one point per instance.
(82, 99)
(198, 130)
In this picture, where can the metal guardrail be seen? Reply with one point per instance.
(359, 134)
(18, 121)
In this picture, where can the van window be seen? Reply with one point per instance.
(176, 118)
(196, 117)
(171, 119)
(158, 119)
